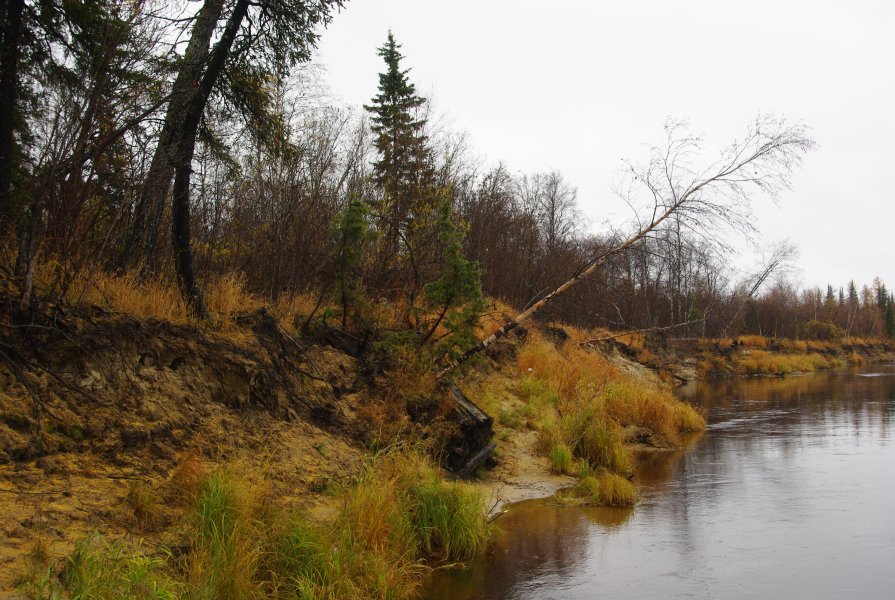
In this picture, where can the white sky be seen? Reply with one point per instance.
(577, 85)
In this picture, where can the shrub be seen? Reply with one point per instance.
(823, 331)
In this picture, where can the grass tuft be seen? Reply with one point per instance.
(144, 503)
(607, 489)
(561, 459)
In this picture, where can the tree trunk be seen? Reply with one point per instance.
(183, 159)
(10, 42)
(153, 195)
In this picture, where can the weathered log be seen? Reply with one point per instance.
(467, 449)
(477, 461)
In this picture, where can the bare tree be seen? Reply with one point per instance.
(705, 200)
(778, 262)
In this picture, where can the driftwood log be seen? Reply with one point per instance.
(470, 447)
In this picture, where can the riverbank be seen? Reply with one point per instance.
(681, 360)
(118, 431)
(780, 497)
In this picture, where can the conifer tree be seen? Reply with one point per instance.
(403, 169)
(352, 236)
(455, 298)
(890, 320)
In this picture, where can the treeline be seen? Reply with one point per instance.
(191, 144)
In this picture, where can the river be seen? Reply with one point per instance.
(790, 493)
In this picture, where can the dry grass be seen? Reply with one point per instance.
(753, 341)
(496, 316)
(155, 296)
(293, 309)
(580, 404)
(186, 478)
(144, 504)
(760, 362)
(656, 409)
(605, 488)
(798, 346)
(151, 297)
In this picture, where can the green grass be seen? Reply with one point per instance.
(446, 519)
(97, 571)
(398, 517)
(561, 459)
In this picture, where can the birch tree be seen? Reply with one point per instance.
(705, 199)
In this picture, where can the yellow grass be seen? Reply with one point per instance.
(799, 346)
(607, 489)
(753, 341)
(759, 362)
(631, 402)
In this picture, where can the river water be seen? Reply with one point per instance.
(790, 493)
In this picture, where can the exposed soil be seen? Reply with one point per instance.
(91, 407)
(522, 473)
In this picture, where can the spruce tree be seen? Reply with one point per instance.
(890, 320)
(454, 299)
(403, 169)
(352, 235)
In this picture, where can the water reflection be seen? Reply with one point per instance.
(789, 493)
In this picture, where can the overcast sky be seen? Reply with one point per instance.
(576, 86)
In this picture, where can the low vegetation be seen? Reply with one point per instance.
(588, 413)
(400, 516)
(759, 355)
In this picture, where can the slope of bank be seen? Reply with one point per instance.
(118, 425)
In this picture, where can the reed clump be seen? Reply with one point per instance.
(605, 488)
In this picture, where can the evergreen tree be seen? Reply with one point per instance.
(890, 320)
(455, 298)
(352, 237)
(403, 169)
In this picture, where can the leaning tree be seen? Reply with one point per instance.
(672, 187)
(255, 44)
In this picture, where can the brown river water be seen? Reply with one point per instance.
(790, 493)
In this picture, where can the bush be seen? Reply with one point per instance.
(823, 331)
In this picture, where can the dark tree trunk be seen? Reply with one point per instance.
(10, 42)
(183, 159)
(153, 195)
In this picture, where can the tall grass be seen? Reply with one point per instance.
(581, 405)
(401, 515)
(561, 459)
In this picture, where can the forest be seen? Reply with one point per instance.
(154, 146)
